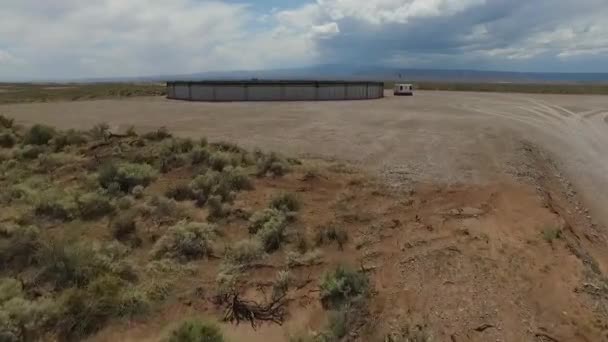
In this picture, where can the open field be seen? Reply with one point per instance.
(31, 92)
(465, 216)
(525, 88)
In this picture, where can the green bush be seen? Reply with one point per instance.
(39, 135)
(266, 217)
(125, 202)
(186, 241)
(68, 138)
(196, 331)
(7, 139)
(31, 151)
(286, 202)
(269, 226)
(71, 264)
(47, 163)
(245, 252)
(219, 160)
(176, 146)
(217, 209)
(86, 310)
(163, 210)
(19, 247)
(223, 184)
(56, 204)
(199, 155)
(272, 165)
(342, 286)
(94, 205)
(22, 319)
(126, 175)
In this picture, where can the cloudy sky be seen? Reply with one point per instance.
(44, 39)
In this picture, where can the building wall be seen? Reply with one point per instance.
(280, 91)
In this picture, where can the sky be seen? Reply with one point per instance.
(71, 39)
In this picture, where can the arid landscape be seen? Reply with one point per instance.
(447, 216)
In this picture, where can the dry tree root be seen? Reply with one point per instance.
(238, 310)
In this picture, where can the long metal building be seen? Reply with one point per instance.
(265, 90)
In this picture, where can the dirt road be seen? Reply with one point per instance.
(438, 136)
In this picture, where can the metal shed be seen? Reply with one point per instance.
(266, 90)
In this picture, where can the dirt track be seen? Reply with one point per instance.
(438, 136)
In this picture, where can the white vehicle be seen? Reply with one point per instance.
(402, 89)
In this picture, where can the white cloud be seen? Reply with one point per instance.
(325, 31)
(393, 11)
(79, 39)
(68, 38)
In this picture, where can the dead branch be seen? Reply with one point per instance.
(238, 310)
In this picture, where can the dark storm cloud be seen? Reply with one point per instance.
(545, 34)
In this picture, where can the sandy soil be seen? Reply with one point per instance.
(433, 136)
(458, 250)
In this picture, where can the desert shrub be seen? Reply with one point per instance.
(86, 310)
(30, 151)
(226, 146)
(71, 264)
(22, 319)
(49, 162)
(196, 331)
(94, 205)
(163, 209)
(180, 192)
(186, 241)
(137, 191)
(100, 131)
(331, 234)
(342, 286)
(295, 259)
(169, 162)
(19, 246)
(286, 202)
(222, 184)
(281, 284)
(38, 135)
(125, 202)
(219, 160)
(56, 204)
(245, 252)
(7, 139)
(6, 122)
(158, 135)
(271, 164)
(237, 179)
(177, 146)
(126, 175)
(68, 138)
(131, 132)
(199, 155)
(550, 234)
(270, 217)
(272, 235)
(217, 209)
(123, 226)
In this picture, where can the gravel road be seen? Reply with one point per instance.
(433, 136)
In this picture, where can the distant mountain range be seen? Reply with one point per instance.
(381, 73)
